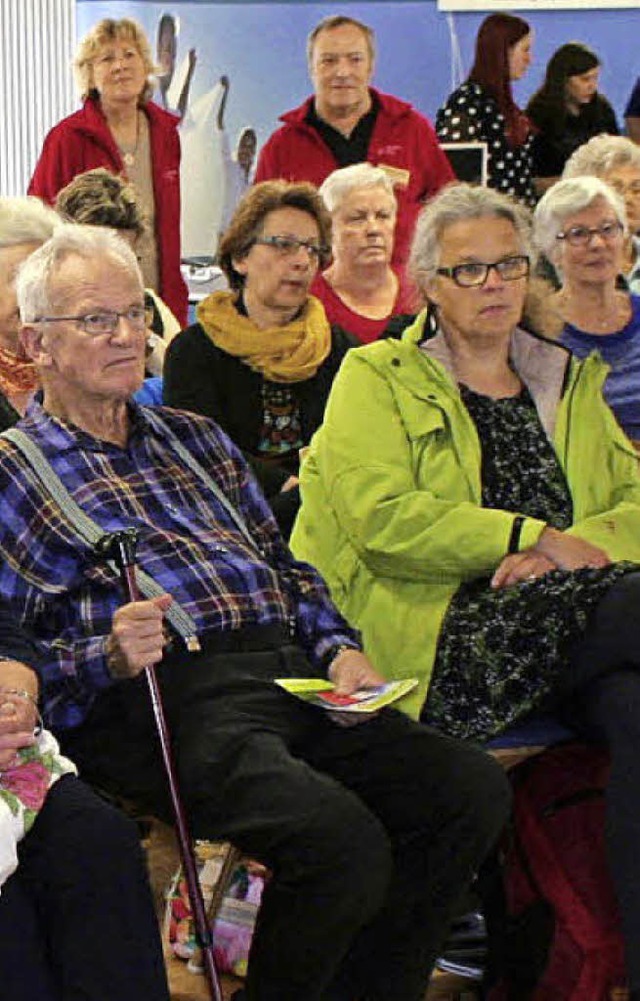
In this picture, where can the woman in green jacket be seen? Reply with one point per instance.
(475, 508)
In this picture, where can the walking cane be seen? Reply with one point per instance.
(121, 547)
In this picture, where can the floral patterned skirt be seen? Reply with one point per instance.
(502, 653)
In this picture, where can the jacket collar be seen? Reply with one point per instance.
(91, 120)
(391, 106)
(543, 365)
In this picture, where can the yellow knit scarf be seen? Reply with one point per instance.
(291, 353)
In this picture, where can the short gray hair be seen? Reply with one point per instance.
(339, 21)
(25, 220)
(70, 239)
(340, 183)
(455, 203)
(601, 155)
(564, 199)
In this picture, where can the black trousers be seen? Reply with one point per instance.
(607, 709)
(372, 832)
(76, 918)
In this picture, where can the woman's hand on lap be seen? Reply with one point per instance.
(568, 552)
(518, 567)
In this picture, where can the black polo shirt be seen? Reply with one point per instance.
(351, 149)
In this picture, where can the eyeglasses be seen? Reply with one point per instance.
(288, 246)
(104, 323)
(581, 236)
(475, 273)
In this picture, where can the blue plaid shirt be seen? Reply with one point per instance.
(187, 542)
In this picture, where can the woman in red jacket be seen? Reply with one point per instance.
(119, 128)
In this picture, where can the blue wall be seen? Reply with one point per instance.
(260, 46)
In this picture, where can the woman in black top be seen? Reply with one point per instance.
(483, 108)
(567, 111)
(261, 358)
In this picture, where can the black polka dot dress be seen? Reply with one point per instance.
(471, 115)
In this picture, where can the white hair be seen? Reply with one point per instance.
(456, 203)
(34, 278)
(601, 155)
(340, 183)
(25, 220)
(564, 199)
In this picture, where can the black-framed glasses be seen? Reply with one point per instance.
(475, 273)
(288, 246)
(581, 236)
(105, 321)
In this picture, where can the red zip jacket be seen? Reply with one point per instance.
(402, 139)
(84, 141)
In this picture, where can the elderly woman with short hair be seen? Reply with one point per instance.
(616, 161)
(262, 357)
(580, 224)
(361, 291)
(25, 223)
(469, 499)
(120, 128)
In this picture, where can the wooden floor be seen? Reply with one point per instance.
(162, 858)
(187, 986)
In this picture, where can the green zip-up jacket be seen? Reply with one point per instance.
(391, 488)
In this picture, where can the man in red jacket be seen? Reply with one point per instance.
(346, 121)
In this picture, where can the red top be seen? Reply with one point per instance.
(362, 327)
(402, 139)
(84, 141)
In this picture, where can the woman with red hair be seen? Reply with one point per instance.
(483, 108)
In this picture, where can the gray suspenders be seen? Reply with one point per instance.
(90, 532)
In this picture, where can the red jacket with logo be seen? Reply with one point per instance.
(84, 141)
(402, 139)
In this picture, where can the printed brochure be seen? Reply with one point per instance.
(320, 692)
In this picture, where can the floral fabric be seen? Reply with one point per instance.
(502, 652)
(23, 788)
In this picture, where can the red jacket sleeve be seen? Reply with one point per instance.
(267, 169)
(53, 169)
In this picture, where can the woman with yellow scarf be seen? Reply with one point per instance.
(261, 358)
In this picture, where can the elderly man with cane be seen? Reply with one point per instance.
(371, 830)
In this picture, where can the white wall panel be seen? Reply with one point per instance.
(37, 44)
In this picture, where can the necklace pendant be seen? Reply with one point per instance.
(129, 159)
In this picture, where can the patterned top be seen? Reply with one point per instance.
(472, 115)
(281, 431)
(187, 542)
(503, 654)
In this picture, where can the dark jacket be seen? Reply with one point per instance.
(557, 139)
(200, 377)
